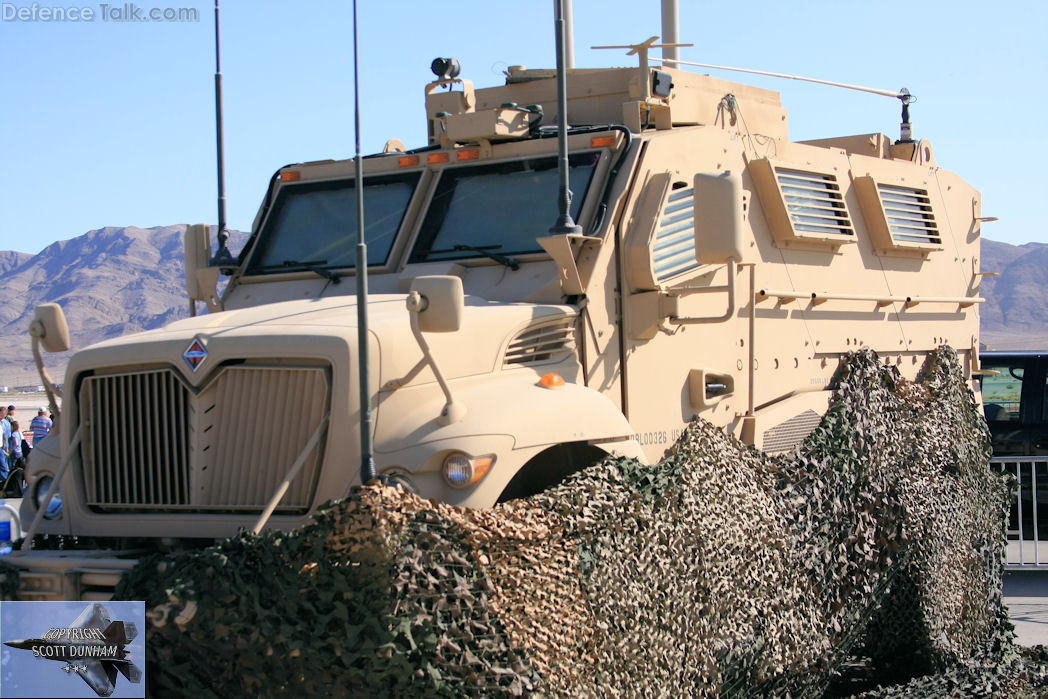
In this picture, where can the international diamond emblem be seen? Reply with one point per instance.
(195, 354)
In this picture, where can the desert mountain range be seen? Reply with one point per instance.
(118, 280)
(1015, 315)
(110, 282)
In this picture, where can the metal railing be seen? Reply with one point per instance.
(1028, 515)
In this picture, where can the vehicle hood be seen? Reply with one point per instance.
(321, 329)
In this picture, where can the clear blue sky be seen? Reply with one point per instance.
(111, 123)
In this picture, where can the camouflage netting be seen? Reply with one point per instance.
(875, 546)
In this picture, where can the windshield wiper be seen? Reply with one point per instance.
(312, 265)
(484, 250)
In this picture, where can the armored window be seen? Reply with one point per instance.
(314, 224)
(660, 236)
(899, 217)
(673, 248)
(802, 206)
(501, 207)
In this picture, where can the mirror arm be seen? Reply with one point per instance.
(53, 392)
(452, 412)
(394, 384)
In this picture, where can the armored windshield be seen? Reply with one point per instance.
(314, 224)
(501, 207)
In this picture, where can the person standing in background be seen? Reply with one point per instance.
(40, 425)
(5, 423)
(14, 447)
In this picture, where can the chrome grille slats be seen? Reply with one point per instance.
(541, 343)
(152, 444)
(128, 425)
(181, 423)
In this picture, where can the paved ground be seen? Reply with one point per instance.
(1026, 595)
(1028, 552)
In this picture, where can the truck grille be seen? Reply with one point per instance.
(151, 443)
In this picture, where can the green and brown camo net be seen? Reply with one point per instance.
(871, 555)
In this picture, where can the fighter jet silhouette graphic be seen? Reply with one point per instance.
(92, 647)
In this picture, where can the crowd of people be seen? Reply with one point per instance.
(17, 443)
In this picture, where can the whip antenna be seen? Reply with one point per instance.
(367, 458)
(903, 95)
(564, 224)
(222, 259)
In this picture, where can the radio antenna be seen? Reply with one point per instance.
(903, 95)
(564, 224)
(367, 458)
(222, 259)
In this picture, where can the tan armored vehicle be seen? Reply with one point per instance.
(722, 271)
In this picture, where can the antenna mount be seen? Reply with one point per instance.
(906, 128)
(641, 50)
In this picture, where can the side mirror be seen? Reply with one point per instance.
(50, 328)
(436, 305)
(201, 280)
(720, 208)
(438, 302)
(197, 246)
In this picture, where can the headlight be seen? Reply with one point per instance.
(461, 470)
(40, 487)
(400, 480)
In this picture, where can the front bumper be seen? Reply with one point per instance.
(69, 575)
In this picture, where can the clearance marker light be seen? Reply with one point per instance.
(408, 161)
(290, 176)
(602, 142)
(434, 158)
(469, 154)
(551, 380)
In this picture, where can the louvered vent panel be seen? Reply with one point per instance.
(273, 412)
(814, 203)
(673, 250)
(541, 344)
(786, 435)
(909, 214)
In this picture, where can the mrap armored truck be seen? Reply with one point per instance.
(720, 270)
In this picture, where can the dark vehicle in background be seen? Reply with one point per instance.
(1015, 402)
